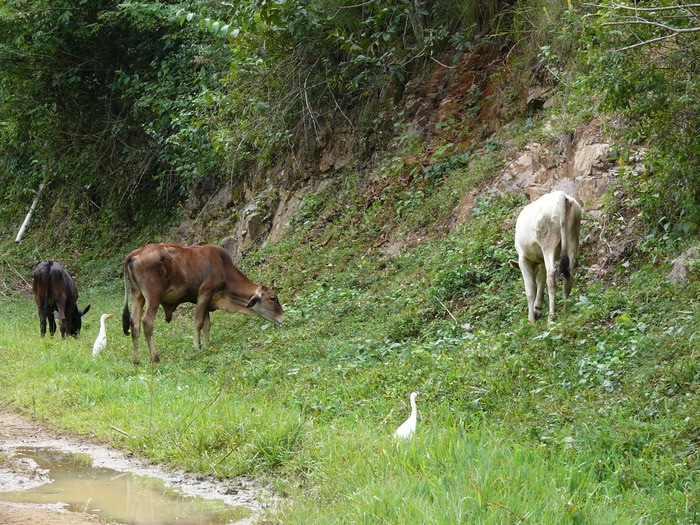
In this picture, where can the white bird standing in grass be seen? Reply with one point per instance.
(101, 341)
(408, 427)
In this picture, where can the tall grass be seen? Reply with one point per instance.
(591, 419)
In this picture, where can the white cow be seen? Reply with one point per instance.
(547, 229)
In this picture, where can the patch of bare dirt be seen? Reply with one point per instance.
(15, 514)
(17, 431)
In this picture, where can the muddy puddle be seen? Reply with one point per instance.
(43, 469)
(116, 496)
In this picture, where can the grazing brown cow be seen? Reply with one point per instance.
(55, 290)
(546, 230)
(170, 274)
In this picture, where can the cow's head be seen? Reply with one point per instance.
(266, 305)
(75, 320)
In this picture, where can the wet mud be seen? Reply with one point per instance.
(24, 467)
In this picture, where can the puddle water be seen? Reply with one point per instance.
(117, 496)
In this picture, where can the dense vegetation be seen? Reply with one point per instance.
(590, 419)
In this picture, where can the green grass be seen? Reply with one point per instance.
(594, 418)
(590, 419)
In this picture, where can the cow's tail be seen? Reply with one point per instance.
(565, 263)
(126, 315)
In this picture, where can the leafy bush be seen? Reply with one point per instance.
(649, 79)
(479, 255)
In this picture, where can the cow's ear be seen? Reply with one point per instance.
(515, 265)
(253, 300)
(83, 312)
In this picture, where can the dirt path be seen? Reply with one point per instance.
(18, 431)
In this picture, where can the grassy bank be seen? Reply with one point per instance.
(591, 419)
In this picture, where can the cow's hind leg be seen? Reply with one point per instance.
(540, 279)
(551, 268)
(568, 276)
(42, 321)
(149, 318)
(137, 301)
(205, 328)
(52, 322)
(568, 284)
(528, 269)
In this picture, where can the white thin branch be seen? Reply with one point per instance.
(645, 22)
(443, 65)
(23, 228)
(642, 9)
(646, 42)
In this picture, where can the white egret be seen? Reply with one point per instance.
(101, 341)
(408, 427)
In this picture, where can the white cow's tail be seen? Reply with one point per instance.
(565, 263)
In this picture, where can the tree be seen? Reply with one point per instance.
(103, 97)
(663, 21)
(645, 65)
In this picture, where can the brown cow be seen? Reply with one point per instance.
(55, 290)
(170, 274)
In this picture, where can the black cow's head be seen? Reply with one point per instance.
(75, 320)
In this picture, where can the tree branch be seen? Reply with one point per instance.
(646, 42)
(641, 17)
(675, 30)
(641, 9)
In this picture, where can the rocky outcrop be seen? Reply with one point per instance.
(244, 215)
(584, 168)
(252, 224)
(585, 172)
(682, 266)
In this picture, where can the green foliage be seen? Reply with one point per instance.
(324, 57)
(106, 103)
(654, 87)
(633, 65)
(480, 253)
(589, 419)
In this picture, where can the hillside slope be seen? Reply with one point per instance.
(389, 248)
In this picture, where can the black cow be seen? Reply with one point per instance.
(55, 291)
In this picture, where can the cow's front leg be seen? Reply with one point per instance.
(62, 322)
(201, 321)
